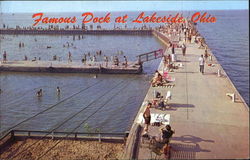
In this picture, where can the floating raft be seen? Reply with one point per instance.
(69, 67)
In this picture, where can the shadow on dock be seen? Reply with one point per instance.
(175, 106)
(191, 139)
(185, 151)
(190, 147)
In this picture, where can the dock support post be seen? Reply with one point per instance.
(75, 135)
(12, 134)
(139, 60)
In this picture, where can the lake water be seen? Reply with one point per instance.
(117, 97)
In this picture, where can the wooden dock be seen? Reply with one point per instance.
(69, 67)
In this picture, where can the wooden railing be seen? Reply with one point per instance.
(150, 56)
(100, 136)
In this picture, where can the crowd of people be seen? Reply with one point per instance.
(186, 34)
(86, 59)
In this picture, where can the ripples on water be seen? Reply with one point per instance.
(18, 100)
(227, 38)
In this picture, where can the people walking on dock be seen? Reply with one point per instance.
(4, 56)
(201, 63)
(173, 49)
(69, 57)
(167, 133)
(206, 55)
(173, 57)
(147, 116)
(183, 47)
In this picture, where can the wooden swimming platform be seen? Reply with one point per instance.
(69, 67)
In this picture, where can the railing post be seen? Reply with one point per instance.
(12, 133)
(139, 60)
(99, 137)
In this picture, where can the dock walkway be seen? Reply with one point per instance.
(207, 124)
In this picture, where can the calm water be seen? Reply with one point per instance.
(108, 102)
(117, 97)
(229, 40)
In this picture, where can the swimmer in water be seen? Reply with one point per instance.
(39, 93)
(58, 90)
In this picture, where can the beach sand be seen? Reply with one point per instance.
(65, 150)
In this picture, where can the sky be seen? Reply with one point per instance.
(83, 6)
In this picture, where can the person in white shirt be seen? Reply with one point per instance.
(201, 63)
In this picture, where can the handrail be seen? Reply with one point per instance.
(149, 52)
(29, 133)
(60, 132)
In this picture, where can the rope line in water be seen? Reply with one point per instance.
(70, 117)
(92, 102)
(52, 106)
(24, 94)
(48, 150)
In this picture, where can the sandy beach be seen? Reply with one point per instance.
(65, 150)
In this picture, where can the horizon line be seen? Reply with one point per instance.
(133, 11)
